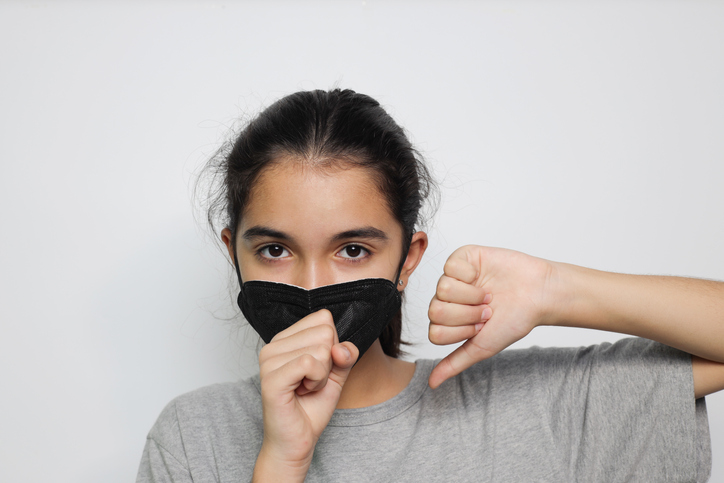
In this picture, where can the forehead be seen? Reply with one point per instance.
(336, 196)
(299, 173)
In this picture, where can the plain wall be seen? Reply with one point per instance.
(585, 132)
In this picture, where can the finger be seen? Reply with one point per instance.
(455, 363)
(288, 377)
(488, 342)
(443, 335)
(458, 267)
(445, 313)
(321, 317)
(344, 356)
(310, 384)
(324, 334)
(320, 352)
(453, 290)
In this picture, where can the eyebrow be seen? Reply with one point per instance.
(263, 231)
(368, 232)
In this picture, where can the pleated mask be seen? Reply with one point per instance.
(361, 309)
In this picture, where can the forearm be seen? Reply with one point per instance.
(680, 312)
(271, 468)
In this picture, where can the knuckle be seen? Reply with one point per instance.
(265, 373)
(477, 350)
(306, 361)
(436, 310)
(325, 316)
(321, 352)
(327, 333)
(450, 265)
(435, 334)
(264, 353)
(262, 372)
(444, 287)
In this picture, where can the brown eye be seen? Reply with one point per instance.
(274, 251)
(353, 251)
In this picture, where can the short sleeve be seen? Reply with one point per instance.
(612, 412)
(163, 459)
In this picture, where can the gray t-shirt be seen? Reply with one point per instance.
(608, 413)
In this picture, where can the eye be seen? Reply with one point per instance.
(353, 251)
(274, 251)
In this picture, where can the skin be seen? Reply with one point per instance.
(310, 227)
(492, 297)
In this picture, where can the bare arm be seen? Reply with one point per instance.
(685, 313)
(708, 376)
(493, 297)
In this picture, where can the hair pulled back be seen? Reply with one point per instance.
(323, 129)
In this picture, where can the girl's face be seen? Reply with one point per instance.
(314, 227)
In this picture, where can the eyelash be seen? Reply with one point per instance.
(355, 259)
(268, 259)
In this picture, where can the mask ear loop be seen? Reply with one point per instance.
(405, 252)
(236, 260)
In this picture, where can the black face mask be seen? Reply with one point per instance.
(361, 309)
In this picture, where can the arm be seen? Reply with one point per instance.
(493, 297)
(302, 371)
(680, 312)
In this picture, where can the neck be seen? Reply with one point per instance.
(375, 378)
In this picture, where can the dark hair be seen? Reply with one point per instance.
(324, 128)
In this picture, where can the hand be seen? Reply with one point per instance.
(302, 370)
(489, 298)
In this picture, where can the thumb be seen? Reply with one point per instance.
(344, 356)
(492, 338)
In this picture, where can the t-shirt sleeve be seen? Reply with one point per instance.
(163, 459)
(612, 412)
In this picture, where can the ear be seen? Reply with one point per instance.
(226, 238)
(418, 245)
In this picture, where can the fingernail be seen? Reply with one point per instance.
(347, 353)
(488, 298)
(487, 312)
(478, 326)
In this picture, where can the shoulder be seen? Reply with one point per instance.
(208, 407)
(537, 371)
(626, 354)
(213, 429)
(220, 397)
(585, 401)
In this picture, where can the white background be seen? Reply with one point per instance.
(587, 132)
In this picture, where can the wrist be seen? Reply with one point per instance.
(272, 466)
(561, 294)
(583, 298)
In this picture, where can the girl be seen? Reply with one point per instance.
(319, 200)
